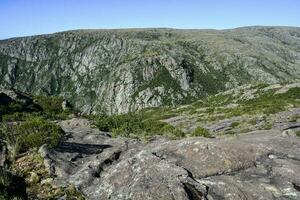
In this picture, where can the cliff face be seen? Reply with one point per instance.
(117, 71)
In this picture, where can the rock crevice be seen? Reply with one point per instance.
(258, 164)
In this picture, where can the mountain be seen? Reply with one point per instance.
(118, 71)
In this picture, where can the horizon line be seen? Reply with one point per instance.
(147, 28)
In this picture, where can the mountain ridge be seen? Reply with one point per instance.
(119, 71)
(150, 28)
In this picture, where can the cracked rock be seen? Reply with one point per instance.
(256, 165)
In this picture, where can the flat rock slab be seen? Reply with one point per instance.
(256, 165)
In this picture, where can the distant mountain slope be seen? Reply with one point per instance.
(117, 71)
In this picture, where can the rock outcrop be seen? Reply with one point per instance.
(15, 101)
(256, 165)
(117, 71)
(9, 96)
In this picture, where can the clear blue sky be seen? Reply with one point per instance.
(30, 17)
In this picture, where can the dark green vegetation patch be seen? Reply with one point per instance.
(140, 124)
(30, 133)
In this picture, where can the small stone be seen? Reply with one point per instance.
(272, 156)
(196, 149)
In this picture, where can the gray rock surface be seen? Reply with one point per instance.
(256, 165)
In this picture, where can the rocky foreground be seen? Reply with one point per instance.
(255, 165)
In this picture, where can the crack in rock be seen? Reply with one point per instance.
(258, 164)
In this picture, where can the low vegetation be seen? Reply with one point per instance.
(28, 134)
(38, 180)
(298, 133)
(138, 125)
(11, 186)
(252, 112)
(50, 109)
(199, 131)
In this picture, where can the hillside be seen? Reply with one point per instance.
(239, 144)
(118, 71)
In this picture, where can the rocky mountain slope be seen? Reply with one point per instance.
(117, 71)
(239, 144)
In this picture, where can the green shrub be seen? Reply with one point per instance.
(298, 133)
(11, 186)
(10, 108)
(50, 104)
(73, 193)
(51, 109)
(234, 124)
(18, 116)
(31, 133)
(135, 125)
(172, 132)
(105, 123)
(253, 121)
(5, 178)
(267, 126)
(200, 131)
(176, 133)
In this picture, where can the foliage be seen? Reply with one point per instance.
(11, 186)
(73, 193)
(212, 108)
(19, 116)
(136, 125)
(267, 126)
(10, 108)
(200, 131)
(31, 133)
(51, 104)
(52, 107)
(298, 133)
(39, 183)
(234, 124)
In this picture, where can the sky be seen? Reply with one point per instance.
(32, 17)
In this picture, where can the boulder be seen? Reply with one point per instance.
(256, 165)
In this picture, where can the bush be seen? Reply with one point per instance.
(50, 104)
(253, 121)
(52, 107)
(18, 116)
(172, 132)
(31, 133)
(10, 108)
(199, 131)
(11, 186)
(267, 126)
(48, 107)
(135, 125)
(234, 124)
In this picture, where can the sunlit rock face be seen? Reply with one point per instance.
(117, 71)
(258, 164)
